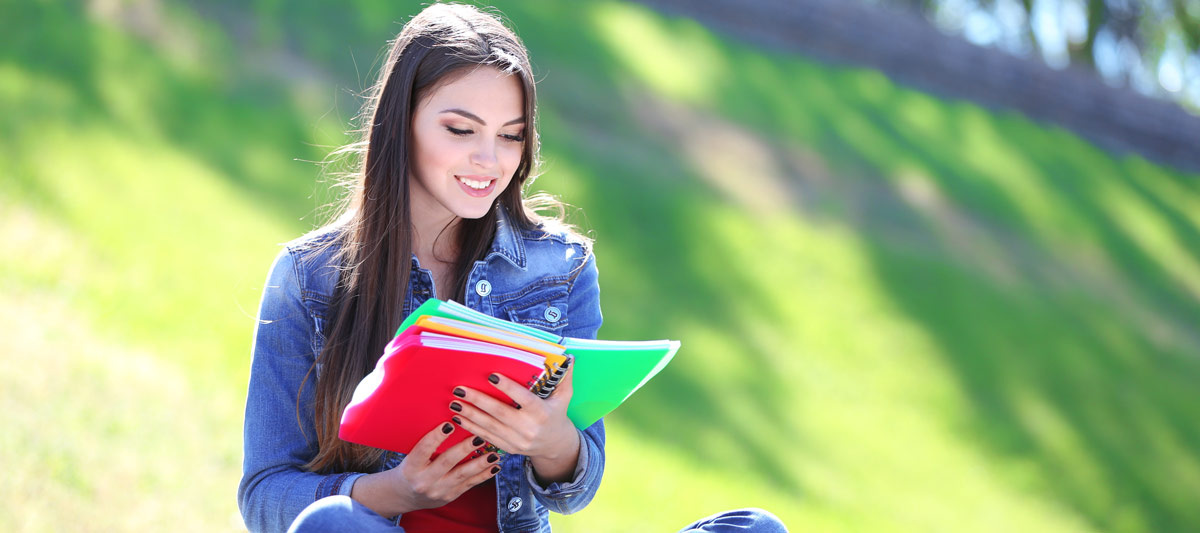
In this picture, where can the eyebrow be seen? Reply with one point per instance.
(473, 116)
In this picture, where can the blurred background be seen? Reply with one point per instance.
(935, 264)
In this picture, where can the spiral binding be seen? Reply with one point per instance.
(549, 380)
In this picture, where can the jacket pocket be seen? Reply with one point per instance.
(542, 305)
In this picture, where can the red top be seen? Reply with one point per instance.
(474, 510)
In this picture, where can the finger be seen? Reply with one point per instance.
(486, 403)
(470, 469)
(488, 466)
(473, 418)
(517, 395)
(517, 392)
(455, 454)
(485, 427)
(428, 444)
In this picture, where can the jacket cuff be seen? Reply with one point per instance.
(560, 488)
(348, 484)
(337, 484)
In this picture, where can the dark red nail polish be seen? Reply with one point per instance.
(458, 391)
(456, 420)
(456, 407)
(495, 469)
(477, 442)
(447, 428)
(493, 378)
(492, 458)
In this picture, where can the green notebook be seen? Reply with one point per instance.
(605, 373)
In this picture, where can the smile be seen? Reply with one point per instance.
(477, 185)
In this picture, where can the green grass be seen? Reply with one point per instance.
(968, 320)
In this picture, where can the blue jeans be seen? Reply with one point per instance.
(340, 513)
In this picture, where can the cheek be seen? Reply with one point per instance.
(450, 151)
(435, 156)
(510, 158)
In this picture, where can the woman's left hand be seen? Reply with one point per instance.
(538, 428)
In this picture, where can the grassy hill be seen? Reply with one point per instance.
(898, 313)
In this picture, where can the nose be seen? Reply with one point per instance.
(484, 155)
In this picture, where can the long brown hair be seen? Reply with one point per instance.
(374, 229)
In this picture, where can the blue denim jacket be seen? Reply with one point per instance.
(540, 278)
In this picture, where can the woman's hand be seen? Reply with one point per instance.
(538, 428)
(423, 483)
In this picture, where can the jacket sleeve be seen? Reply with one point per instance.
(572, 496)
(279, 433)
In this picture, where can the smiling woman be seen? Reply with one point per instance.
(436, 210)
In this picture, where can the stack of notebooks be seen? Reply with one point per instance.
(445, 344)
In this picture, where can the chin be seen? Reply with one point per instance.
(474, 212)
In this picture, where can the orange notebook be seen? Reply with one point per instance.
(448, 326)
(409, 392)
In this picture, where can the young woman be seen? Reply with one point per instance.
(436, 211)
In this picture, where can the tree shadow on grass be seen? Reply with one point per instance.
(1057, 372)
(1056, 369)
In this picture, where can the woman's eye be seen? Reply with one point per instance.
(517, 137)
(457, 131)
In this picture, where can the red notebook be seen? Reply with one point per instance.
(409, 392)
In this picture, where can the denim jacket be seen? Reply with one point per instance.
(541, 278)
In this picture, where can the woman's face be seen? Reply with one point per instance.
(468, 137)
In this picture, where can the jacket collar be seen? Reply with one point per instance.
(508, 242)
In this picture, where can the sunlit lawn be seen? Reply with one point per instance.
(898, 313)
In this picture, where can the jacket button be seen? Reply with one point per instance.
(514, 505)
(552, 314)
(483, 288)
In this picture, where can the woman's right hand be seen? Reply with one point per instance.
(424, 483)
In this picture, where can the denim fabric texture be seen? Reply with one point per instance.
(340, 514)
(748, 520)
(540, 278)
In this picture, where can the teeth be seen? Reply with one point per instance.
(480, 185)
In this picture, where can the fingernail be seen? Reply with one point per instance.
(495, 469)
(456, 420)
(455, 406)
(447, 428)
(492, 378)
(477, 442)
(492, 458)
(458, 391)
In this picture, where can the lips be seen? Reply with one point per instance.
(477, 186)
